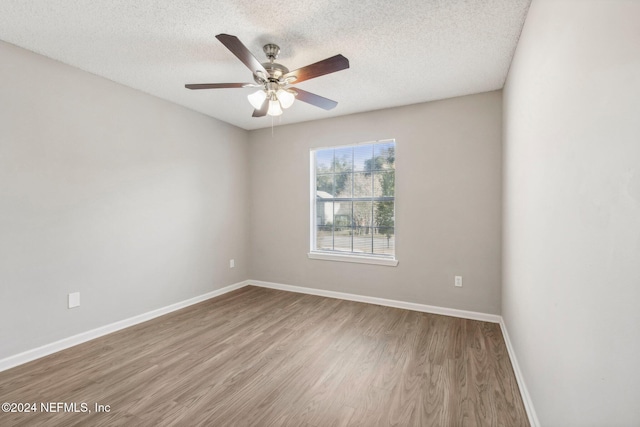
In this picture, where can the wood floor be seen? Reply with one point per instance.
(260, 357)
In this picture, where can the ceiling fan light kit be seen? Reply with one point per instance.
(286, 97)
(257, 98)
(274, 107)
(274, 80)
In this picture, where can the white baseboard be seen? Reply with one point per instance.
(526, 398)
(473, 315)
(80, 338)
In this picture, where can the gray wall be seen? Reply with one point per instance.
(448, 207)
(572, 211)
(135, 202)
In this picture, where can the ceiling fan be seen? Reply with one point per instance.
(274, 80)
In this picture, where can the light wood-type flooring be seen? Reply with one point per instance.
(261, 357)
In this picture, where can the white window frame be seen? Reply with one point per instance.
(390, 261)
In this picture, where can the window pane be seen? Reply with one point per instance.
(362, 155)
(324, 213)
(343, 184)
(362, 184)
(343, 159)
(362, 217)
(324, 161)
(384, 241)
(383, 214)
(324, 185)
(385, 155)
(324, 238)
(384, 183)
(363, 226)
(324, 225)
(363, 243)
(342, 226)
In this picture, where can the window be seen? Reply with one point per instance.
(353, 203)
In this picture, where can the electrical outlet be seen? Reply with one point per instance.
(458, 281)
(232, 263)
(74, 299)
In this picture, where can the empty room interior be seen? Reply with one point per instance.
(320, 213)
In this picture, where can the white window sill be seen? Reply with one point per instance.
(390, 262)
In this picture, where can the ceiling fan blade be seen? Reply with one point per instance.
(239, 50)
(326, 66)
(217, 85)
(263, 110)
(313, 99)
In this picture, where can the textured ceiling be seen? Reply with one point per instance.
(400, 53)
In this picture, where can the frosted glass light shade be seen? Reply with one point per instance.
(257, 99)
(285, 97)
(274, 108)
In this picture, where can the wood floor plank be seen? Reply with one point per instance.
(264, 357)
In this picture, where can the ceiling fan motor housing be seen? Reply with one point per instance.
(274, 69)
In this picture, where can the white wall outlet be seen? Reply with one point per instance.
(232, 263)
(458, 281)
(74, 299)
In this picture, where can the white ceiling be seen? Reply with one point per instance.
(400, 53)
